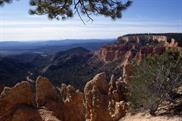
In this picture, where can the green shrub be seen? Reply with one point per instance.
(154, 80)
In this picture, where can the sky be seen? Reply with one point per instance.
(144, 16)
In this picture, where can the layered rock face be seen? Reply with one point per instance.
(151, 37)
(139, 38)
(142, 45)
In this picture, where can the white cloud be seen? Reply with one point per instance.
(49, 30)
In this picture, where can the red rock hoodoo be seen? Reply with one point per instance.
(104, 101)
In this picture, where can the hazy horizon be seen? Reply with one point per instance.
(55, 40)
(143, 16)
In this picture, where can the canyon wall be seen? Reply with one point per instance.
(139, 45)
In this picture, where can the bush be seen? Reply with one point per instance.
(154, 80)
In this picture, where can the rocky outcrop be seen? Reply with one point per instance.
(11, 99)
(42, 101)
(73, 103)
(29, 102)
(63, 101)
(107, 100)
(96, 99)
(48, 97)
(45, 91)
(118, 101)
(103, 101)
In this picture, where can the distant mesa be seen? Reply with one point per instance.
(139, 44)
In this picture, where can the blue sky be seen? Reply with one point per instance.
(142, 17)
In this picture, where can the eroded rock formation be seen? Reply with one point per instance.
(64, 102)
(73, 103)
(103, 100)
(45, 91)
(40, 102)
(143, 44)
(12, 101)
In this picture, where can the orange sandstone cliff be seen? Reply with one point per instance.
(137, 44)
